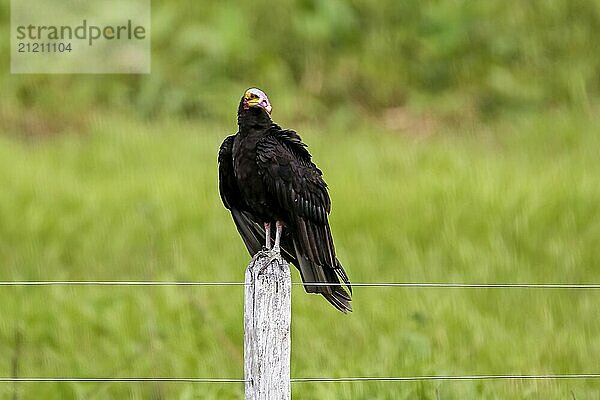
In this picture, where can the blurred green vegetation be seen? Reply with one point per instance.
(518, 201)
(451, 57)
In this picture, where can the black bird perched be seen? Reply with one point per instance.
(266, 177)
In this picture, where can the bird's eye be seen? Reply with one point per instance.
(253, 96)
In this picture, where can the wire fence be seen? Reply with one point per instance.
(305, 380)
(576, 286)
(585, 286)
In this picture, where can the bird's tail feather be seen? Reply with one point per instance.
(311, 272)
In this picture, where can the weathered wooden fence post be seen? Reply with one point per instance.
(267, 319)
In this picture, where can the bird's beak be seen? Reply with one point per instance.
(249, 102)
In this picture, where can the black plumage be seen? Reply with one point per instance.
(266, 176)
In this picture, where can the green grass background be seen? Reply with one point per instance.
(519, 202)
(461, 142)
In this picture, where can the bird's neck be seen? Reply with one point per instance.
(254, 118)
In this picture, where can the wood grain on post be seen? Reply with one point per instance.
(267, 319)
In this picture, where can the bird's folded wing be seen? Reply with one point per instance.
(296, 184)
(249, 228)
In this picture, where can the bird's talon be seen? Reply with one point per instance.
(259, 255)
(271, 256)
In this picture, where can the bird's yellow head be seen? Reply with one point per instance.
(256, 98)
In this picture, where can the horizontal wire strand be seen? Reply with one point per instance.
(447, 378)
(364, 284)
(304, 380)
(121, 380)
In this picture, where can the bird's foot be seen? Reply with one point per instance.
(261, 254)
(274, 255)
(269, 256)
